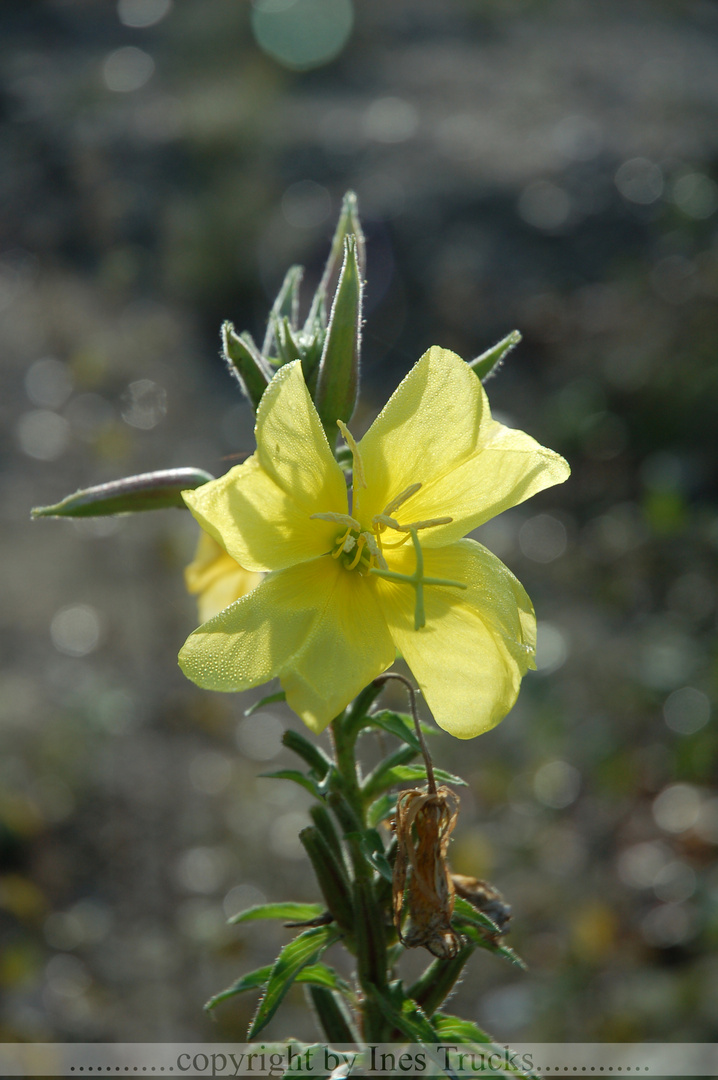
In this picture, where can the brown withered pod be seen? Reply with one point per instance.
(422, 887)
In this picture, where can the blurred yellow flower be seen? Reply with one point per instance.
(216, 578)
(349, 585)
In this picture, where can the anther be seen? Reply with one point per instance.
(358, 471)
(400, 499)
(360, 544)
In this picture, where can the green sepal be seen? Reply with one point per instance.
(296, 777)
(490, 361)
(315, 758)
(381, 809)
(438, 980)
(330, 1015)
(370, 936)
(331, 876)
(454, 1029)
(344, 813)
(347, 225)
(305, 949)
(382, 777)
(133, 494)
(288, 348)
(337, 386)
(287, 911)
(286, 306)
(246, 363)
(355, 714)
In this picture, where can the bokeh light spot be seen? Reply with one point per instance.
(677, 808)
(144, 404)
(557, 784)
(542, 538)
(43, 434)
(639, 181)
(141, 13)
(696, 195)
(306, 204)
(260, 738)
(127, 69)
(302, 34)
(544, 205)
(390, 120)
(75, 630)
(48, 383)
(687, 710)
(551, 648)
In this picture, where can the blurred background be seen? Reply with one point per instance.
(550, 167)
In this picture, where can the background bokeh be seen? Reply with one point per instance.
(550, 167)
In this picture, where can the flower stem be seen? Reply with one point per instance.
(431, 781)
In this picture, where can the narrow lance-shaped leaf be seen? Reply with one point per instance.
(246, 363)
(347, 225)
(286, 910)
(338, 379)
(331, 1016)
(331, 876)
(490, 361)
(305, 949)
(285, 306)
(131, 495)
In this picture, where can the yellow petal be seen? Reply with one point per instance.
(216, 578)
(349, 645)
(437, 430)
(260, 511)
(316, 625)
(477, 644)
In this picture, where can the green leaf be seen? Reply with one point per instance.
(466, 910)
(439, 979)
(337, 386)
(131, 495)
(320, 974)
(403, 774)
(477, 937)
(247, 982)
(330, 1015)
(398, 724)
(246, 363)
(372, 847)
(285, 306)
(376, 781)
(406, 1016)
(454, 1029)
(305, 949)
(490, 361)
(315, 758)
(295, 775)
(270, 699)
(331, 875)
(287, 911)
(288, 347)
(381, 809)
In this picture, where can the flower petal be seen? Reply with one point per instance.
(316, 625)
(437, 430)
(216, 578)
(349, 645)
(260, 511)
(477, 644)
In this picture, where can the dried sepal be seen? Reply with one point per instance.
(422, 887)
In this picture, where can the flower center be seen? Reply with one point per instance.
(363, 549)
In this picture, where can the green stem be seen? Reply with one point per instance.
(347, 767)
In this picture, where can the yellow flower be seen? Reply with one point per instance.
(216, 578)
(348, 586)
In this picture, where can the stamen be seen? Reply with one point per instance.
(339, 544)
(400, 499)
(358, 472)
(360, 547)
(383, 520)
(341, 519)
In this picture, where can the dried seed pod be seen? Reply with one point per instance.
(485, 898)
(422, 885)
